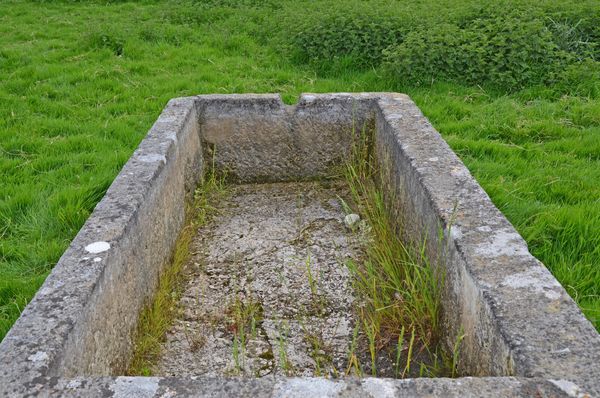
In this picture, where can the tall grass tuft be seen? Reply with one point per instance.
(398, 289)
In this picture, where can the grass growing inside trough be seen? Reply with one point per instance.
(398, 290)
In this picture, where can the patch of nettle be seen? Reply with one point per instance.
(505, 46)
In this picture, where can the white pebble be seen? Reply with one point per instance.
(97, 247)
(351, 220)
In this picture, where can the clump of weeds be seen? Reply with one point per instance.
(284, 361)
(244, 318)
(397, 287)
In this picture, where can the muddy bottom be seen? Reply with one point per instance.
(268, 291)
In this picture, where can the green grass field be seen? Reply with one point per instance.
(81, 83)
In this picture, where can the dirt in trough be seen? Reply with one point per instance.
(268, 291)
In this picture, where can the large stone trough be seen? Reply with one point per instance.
(524, 336)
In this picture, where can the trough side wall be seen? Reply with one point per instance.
(83, 318)
(146, 246)
(257, 138)
(515, 316)
(303, 387)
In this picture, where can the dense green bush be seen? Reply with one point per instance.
(505, 44)
(503, 52)
(346, 34)
(575, 26)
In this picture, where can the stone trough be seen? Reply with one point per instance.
(524, 336)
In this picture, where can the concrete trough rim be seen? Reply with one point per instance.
(301, 387)
(30, 354)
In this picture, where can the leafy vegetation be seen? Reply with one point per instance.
(504, 52)
(357, 37)
(83, 81)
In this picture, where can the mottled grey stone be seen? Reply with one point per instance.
(351, 220)
(517, 319)
(279, 249)
(258, 138)
(279, 387)
(82, 319)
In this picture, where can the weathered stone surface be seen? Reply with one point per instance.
(257, 138)
(268, 286)
(351, 220)
(279, 387)
(517, 319)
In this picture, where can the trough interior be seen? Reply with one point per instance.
(287, 162)
(271, 142)
(261, 141)
(265, 141)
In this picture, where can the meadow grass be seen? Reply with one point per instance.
(81, 83)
